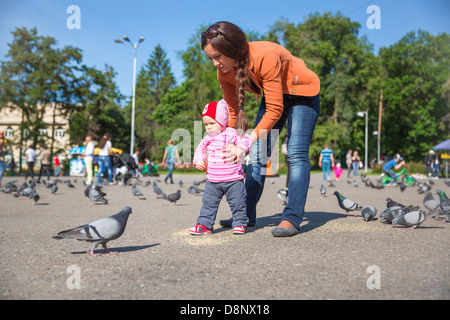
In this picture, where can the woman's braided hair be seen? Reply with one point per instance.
(231, 41)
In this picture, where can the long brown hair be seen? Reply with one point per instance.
(231, 41)
(107, 136)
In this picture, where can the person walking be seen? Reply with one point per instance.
(104, 160)
(45, 163)
(290, 92)
(2, 156)
(30, 156)
(348, 161)
(326, 161)
(355, 162)
(88, 159)
(170, 153)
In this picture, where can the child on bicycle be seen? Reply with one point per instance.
(395, 163)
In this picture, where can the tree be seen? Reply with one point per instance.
(36, 77)
(416, 93)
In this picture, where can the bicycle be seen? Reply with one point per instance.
(406, 179)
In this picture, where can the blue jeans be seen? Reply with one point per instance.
(170, 166)
(104, 163)
(2, 170)
(301, 114)
(355, 168)
(326, 166)
(213, 194)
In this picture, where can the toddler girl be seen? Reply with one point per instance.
(224, 178)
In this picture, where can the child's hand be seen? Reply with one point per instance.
(200, 165)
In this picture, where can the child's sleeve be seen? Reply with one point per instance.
(244, 143)
(200, 152)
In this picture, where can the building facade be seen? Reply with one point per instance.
(10, 122)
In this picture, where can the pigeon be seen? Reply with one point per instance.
(411, 219)
(368, 212)
(347, 204)
(95, 194)
(392, 203)
(100, 231)
(158, 191)
(146, 183)
(355, 184)
(323, 191)
(391, 213)
(54, 188)
(444, 204)
(180, 183)
(174, 197)
(447, 183)
(70, 184)
(34, 197)
(282, 194)
(136, 192)
(424, 187)
(431, 204)
(194, 190)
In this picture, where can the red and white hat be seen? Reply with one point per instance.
(217, 110)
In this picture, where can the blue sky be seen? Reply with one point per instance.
(171, 23)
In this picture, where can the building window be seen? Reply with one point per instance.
(59, 133)
(42, 132)
(9, 133)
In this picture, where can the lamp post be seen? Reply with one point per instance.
(361, 114)
(134, 46)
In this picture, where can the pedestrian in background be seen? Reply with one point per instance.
(88, 160)
(355, 162)
(170, 154)
(348, 161)
(45, 163)
(30, 156)
(326, 161)
(2, 155)
(104, 161)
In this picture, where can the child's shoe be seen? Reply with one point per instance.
(239, 230)
(199, 229)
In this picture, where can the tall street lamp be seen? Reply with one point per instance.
(134, 46)
(361, 114)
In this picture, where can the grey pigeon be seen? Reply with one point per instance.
(158, 191)
(411, 219)
(54, 188)
(368, 212)
(136, 192)
(174, 197)
(34, 197)
(194, 190)
(392, 203)
(70, 184)
(347, 204)
(355, 184)
(323, 190)
(100, 231)
(282, 194)
(96, 194)
(444, 204)
(430, 203)
(424, 187)
(392, 213)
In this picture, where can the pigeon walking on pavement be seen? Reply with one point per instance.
(158, 191)
(411, 219)
(174, 197)
(136, 192)
(368, 212)
(444, 204)
(347, 204)
(99, 232)
(323, 190)
(95, 194)
(431, 204)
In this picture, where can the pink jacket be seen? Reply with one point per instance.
(210, 151)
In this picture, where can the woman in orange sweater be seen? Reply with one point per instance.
(290, 93)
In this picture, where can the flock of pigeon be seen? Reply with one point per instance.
(396, 213)
(104, 230)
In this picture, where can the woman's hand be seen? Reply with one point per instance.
(200, 165)
(232, 153)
